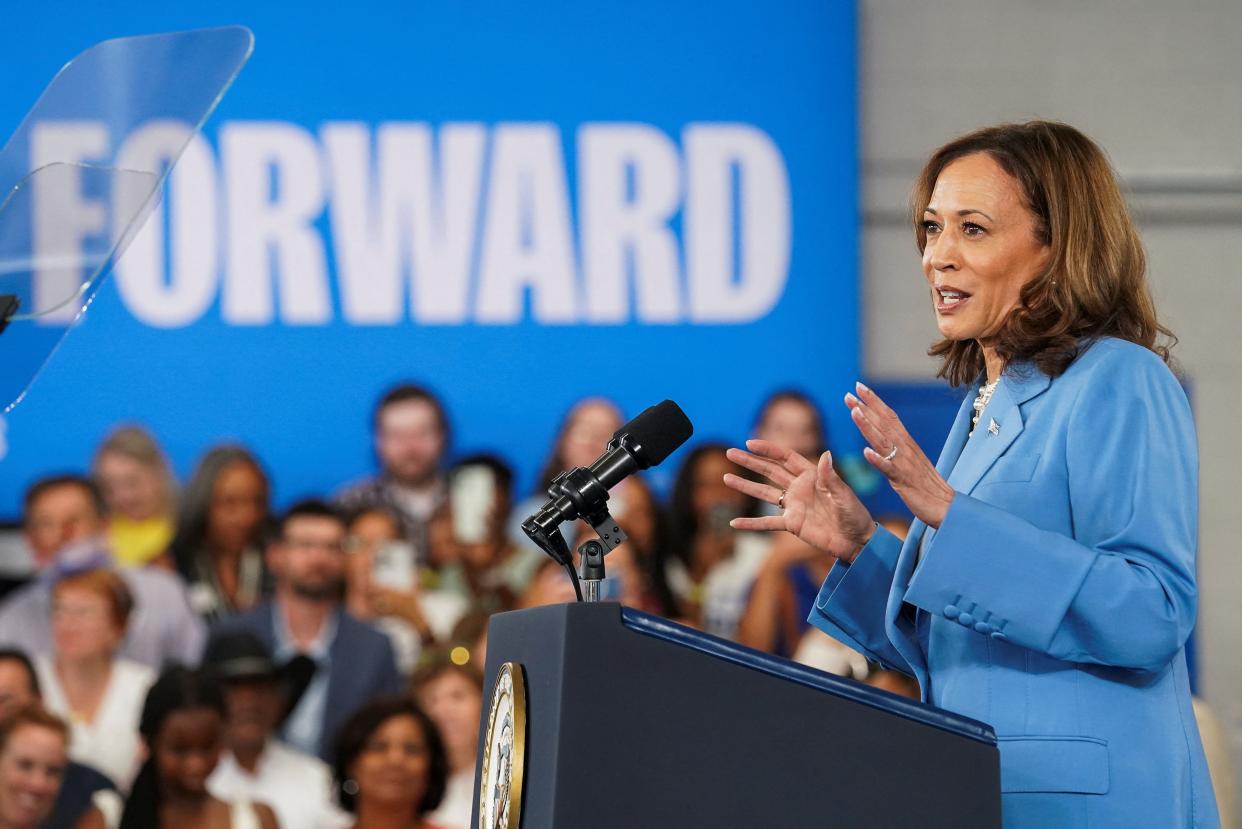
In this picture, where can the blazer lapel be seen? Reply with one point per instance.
(999, 426)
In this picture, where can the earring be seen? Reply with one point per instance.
(350, 787)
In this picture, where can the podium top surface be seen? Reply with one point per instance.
(792, 671)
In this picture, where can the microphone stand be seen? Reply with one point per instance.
(593, 550)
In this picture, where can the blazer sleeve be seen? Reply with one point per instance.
(1121, 591)
(851, 603)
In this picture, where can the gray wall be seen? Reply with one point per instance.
(1159, 85)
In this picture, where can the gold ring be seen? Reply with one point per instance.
(781, 501)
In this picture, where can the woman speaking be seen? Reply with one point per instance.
(1047, 585)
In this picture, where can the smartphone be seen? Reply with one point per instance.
(472, 493)
(393, 566)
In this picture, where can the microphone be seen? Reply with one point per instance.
(582, 492)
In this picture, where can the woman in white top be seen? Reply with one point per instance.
(452, 695)
(182, 727)
(83, 681)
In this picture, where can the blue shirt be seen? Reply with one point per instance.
(304, 726)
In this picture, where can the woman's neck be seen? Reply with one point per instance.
(993, 362)
(461, 758)
(183, 809)
(376, 816)
(84, 681)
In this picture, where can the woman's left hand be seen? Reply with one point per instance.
(913, 477)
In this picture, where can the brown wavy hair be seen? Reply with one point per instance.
(1095, 284)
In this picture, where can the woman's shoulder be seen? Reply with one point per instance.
(1110, 354)
(133, 673)
(1119, 369)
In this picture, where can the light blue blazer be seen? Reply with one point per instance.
(1057, 596)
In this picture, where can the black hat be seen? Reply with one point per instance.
(238, 654)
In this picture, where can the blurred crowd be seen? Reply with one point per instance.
(179, 655)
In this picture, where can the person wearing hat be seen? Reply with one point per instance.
(255, 765)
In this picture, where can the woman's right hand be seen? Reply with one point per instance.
(819, 507)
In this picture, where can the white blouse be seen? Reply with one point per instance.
(110, 743)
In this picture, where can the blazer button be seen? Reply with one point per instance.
(983, 627)
(966, 619)
(952, 611)
(996, 634)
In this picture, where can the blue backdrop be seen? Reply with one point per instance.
(516, 204)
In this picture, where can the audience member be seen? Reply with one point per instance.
(182, 727)
(895, 682)
(784, 590)
(383, 587)
(818, 650)
(410, 430)
(791, 418)
(354, 661)
(67, 510)
(390, 767)
(221, 531)
(708, 568)
(788, 581)
(84, 681)
(140, 493)
(480, 562)
(32, 764)
(19, 689)
(254, 765)
(452, 695)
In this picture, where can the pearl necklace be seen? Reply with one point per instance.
(981, 402)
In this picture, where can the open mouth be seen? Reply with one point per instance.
(948, 298)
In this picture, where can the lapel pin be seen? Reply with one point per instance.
(993, 427)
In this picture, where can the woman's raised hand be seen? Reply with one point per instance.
(895, 454)
(817, 506)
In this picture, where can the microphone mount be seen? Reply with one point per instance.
(590, 499)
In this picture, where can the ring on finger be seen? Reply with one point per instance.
(780, 502)
(891, 454)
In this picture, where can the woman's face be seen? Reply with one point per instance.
(455, 704)
(368, 532)
(187, 749)
(981, 248)
(392, 768)
(790, 423)
(590, 427)
(83, 624)
(238, 505)
(710, 492)
(32, 764)
(130, 488)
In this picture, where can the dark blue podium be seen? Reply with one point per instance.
(633, 721)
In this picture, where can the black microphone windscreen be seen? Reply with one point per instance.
(656, 432)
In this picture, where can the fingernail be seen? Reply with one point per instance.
(861, 388)
(850, 396)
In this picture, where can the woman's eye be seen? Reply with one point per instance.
(930, 227)
(972, 229)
